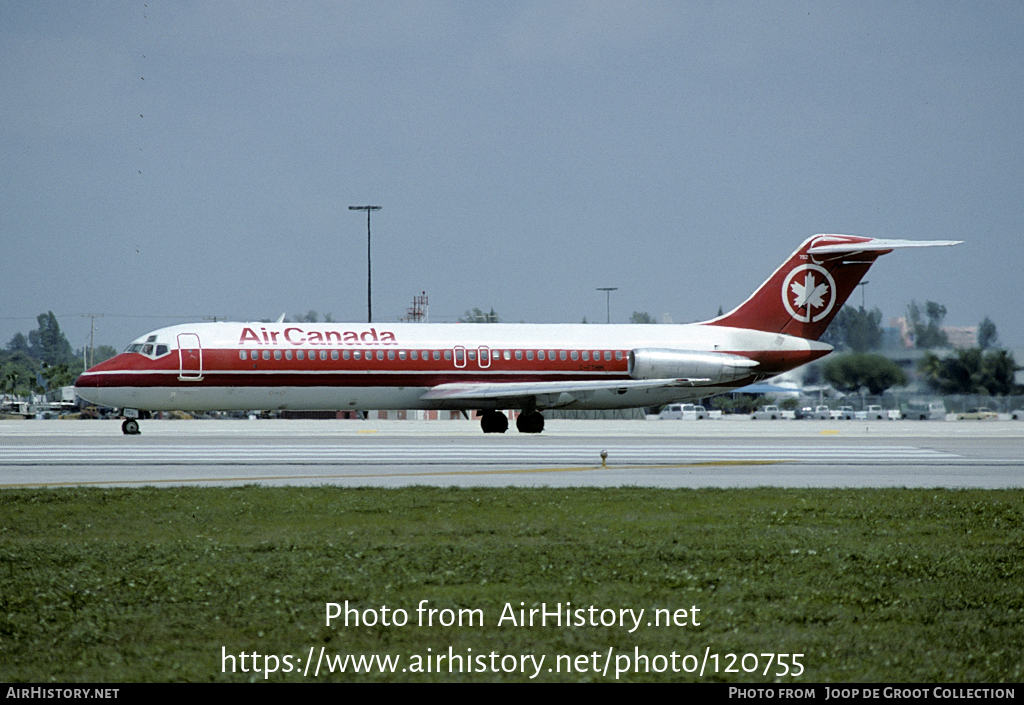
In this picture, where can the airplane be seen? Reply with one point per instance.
(225, 366)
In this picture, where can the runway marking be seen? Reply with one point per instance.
(450, 473)
(293, 454)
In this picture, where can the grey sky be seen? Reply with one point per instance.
(165, 161)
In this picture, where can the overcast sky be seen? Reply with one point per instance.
(162, 162)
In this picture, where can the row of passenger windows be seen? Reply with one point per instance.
(460, 355)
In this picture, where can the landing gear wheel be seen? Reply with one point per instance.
(493, 422)
(130, 427)
(530, 422)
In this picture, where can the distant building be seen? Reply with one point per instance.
(959, 336)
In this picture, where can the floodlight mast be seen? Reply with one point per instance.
(608, 301)
(369, 280)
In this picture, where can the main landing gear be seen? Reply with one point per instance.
(497, 422)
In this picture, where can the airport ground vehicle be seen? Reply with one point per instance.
(685, 412)
(924, 410)
(980, 413)
(874, 412)
(772, 412)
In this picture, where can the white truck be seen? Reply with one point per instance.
(772, 412)
(685, 412)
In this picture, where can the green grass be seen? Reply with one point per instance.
(870, 585)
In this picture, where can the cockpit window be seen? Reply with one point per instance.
(150, 348)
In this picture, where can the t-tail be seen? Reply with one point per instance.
(803, 295)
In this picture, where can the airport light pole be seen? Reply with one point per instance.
(369, 284)
(608, 301)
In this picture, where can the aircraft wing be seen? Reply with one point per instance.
(547, 394)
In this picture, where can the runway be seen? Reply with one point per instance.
(719, 453)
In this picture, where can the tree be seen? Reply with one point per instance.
(19, 343)
(48, 344)
(927, 335)
(17, 372)
(971, 371)
(477, 316)
(855, 329)
(848, 373)
(987, 336)
(641, 317)
(102, 352)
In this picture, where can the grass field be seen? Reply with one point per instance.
(164, 584)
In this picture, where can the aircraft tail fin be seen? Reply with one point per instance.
(803, 295)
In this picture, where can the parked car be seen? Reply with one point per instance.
(874, 412)
(844, 412)
(982, 413)
(822, 412)
(686, 412)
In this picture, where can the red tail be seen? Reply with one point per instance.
(803, 295)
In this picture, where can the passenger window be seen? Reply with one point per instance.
(266, 354)
(323, 354)
(608, 355)
(562, 355)
(334, 354)
(242, 355)
(277, 354)
(300, 355)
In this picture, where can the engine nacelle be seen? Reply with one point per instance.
(663, 363)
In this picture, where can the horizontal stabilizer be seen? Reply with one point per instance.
(876, 245)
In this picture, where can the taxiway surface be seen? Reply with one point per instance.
(718, 453)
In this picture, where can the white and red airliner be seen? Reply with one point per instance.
(530, 367)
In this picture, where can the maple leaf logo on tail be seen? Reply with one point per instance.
(810, 297)
(807, 294)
